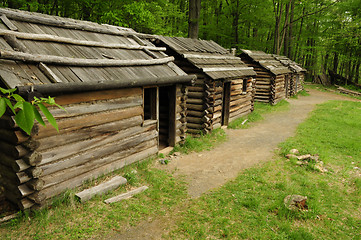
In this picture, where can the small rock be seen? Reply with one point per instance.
(176, 154)
(299, 163)
(163, 161)
(304, 157)
(294, 151)
(295, 202)
(353, 163)
(315, 157)
(356, 168)
(134, 171)
(289, 156)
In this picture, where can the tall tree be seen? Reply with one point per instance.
(193, 21)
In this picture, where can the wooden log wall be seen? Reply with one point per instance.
(300, 79)
(213, 104)
(194, 101)
(263, 83)
(278, 89)
(181, 113)
(292, 84)
(19, 165)
(99, 133)
(241, 102)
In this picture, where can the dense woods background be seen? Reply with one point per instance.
(323, 35)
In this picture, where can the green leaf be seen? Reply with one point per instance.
(10, 105)
(2, 106)
(25, 117)
(49, 116)
(19, 105)
(38, 116)
(18, 98)
(7, 91)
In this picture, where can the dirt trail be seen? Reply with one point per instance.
(244, 148)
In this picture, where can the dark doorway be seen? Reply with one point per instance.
(167, 110)
(287, 86)
(226, 103)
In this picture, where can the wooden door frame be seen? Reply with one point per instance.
(226, 103)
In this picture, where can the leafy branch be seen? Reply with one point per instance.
(27, 112)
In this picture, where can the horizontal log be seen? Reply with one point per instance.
(21, 203)
(33, 158)
(195, 107)
(13, 137)
(195, 113)
(238, 114)
(37, 197)
(98, 152)
(76, 148)
(194, 120)
(88, 133)
(68, 125)
(16, 178)
(195, 101)
(79, 62)
(100, 189)
(126, 195)
(20, 191)
(35, 184)
(31, 144)
(117, 164)
(104, 95)
(58, 39)
(35, 172)
(20, 165)
(15, 151)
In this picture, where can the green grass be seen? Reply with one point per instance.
(69, 219)
(251, 206)
(260, 109)
(303, 93)
(322, 88)
(204, 142)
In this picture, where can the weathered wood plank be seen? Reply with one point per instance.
(100, 189)
(68, 125)
(86, 133)
(98, 152)
(80, 178)
(126, 195)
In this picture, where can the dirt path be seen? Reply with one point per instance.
(244, 148)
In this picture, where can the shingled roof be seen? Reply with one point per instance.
(267, 61)
(208, 56)
(294, 67)
(37, 49)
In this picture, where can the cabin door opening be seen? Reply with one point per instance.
(287, 86)
(226, 103)
(167, 110)
(297, 81)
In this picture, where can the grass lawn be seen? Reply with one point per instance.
(249, 207)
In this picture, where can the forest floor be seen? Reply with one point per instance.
(244, 148)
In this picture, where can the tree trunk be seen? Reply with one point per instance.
(193, 20)
(290, 31)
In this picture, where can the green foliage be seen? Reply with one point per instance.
(26, 112)
(70, 219)
(257, 115)
(204, 142)
(251, 206)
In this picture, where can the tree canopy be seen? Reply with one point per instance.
(323, 35)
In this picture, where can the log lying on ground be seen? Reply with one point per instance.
(126, 195)
(102, 188)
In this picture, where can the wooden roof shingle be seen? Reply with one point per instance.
(208, 56)
(267, 61)
(37, 49)
(292, 65)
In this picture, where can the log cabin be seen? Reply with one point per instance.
(224, 87)
(273, 78)
(297, 75)
(124, 100)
